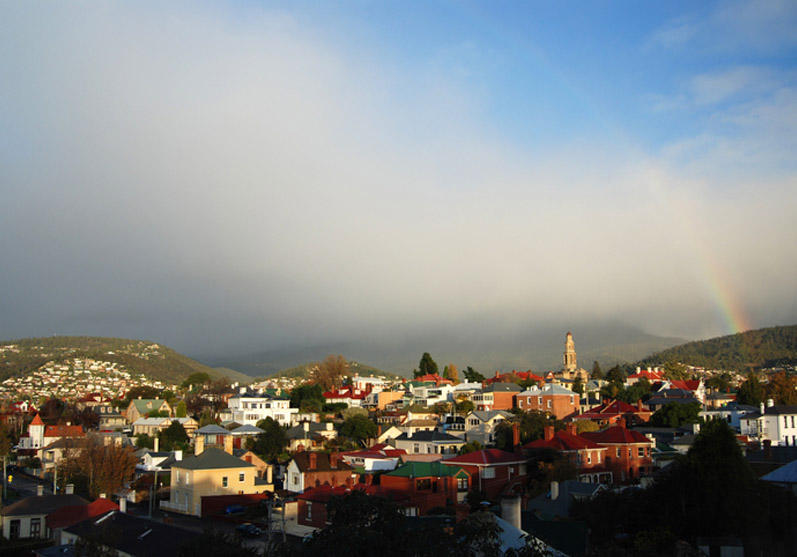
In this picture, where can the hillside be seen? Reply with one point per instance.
(22, 356)
(354, 367)
(485, 347)
(752, 349)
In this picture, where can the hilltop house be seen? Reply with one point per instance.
(140, 407)
(248, 408)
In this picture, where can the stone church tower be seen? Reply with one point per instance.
(570, 353)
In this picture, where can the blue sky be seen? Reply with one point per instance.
(287, 169)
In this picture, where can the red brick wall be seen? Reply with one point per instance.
(493, 486)
(331, 477)
(318, 513)
(503, 401)
(560, 404)
(627, 468)
(423, 499)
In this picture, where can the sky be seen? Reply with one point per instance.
(224, 176)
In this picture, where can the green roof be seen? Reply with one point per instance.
(210, 459)
(426, 470)
(145, 405)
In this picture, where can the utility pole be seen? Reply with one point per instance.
(55, 480)
(5, 479)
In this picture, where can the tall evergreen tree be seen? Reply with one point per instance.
(597, 373)
(427, 365)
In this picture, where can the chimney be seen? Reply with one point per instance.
(178, 455)
(770, 403)
(329, 427)
(548, 432)
(199, 444)
(228, 444)
(39, 490)
(122, 505)
(510, 510)
(572, 429)
(554, 491)
(516, 437)
(306, 427)
(648, 369)
(761, 408)
(334, 457)
(638, 369)
(102, 496)
(69, 489)
(157, 444)
(313, 461)
(622, 423)
(639, 405)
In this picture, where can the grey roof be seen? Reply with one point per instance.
(247, 430)
(211, 458)
(297, 431)
(786, 474)
(782, 409)
(212, 429)
(430, 436)
(42, 504)
(486, 415)
(134, 535)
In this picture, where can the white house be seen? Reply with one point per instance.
(775, 423)
(250, 408)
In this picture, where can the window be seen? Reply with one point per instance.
(13, 532)
(589, 457)
(415, 448)
(522, 469)
(187, 479)
(241, 477)
(411, 511)
(549, 403)
(423, 484)
(488, 473)
(599, 457)
(177, 476)
(462, 484)
(35, 527)
(295, 479)
(539, 400)
(520, 403)
(629, 452)
(309, 514)
(641, 452)
(618, 452)
(224, 481)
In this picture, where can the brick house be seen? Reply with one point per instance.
(629, 453)
(587, 456)
(492, 471)
(427, 485)
(496, 396)
(313, 469)
(612, 411)
(552, 399)
(311, 508)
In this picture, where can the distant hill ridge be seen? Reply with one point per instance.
(769, 347)
(355, 368)
(137, 356)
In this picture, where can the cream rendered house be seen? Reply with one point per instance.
(213, 472)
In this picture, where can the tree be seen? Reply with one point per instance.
(751, 391)
(472, 376)
(196, 378)
(174, 437)
(578, 385)
(719, 382)
(782, 388)
(141, 392)
(465, 407)
(586, 425)
(272, 442)
(427, 366)
(616, 375)
(450, 372)
(358, 428)
(52, 410)
(144, 441)
(181, 411)
(308, 398)
(106, 468)
(596, 371)
(329, 374)
(675, 370)
(675, 414)
(470, 447)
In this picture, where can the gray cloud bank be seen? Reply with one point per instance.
(225, 184)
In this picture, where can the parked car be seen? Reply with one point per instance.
(250, 530)
(234, 509)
